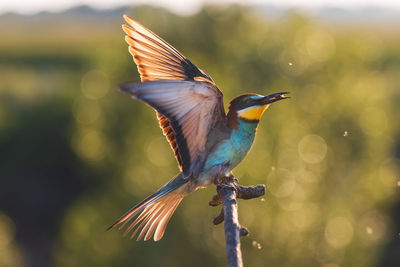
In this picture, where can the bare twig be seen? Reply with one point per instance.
(220, 218)
(227, 193)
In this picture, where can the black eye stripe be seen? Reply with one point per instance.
(243, 101)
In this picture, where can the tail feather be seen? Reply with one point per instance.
(153, 221)
(164, 221)
(156, 221)
(154, 212)
(149, 221)
(163, 214)
(143, 216)
(150, 217)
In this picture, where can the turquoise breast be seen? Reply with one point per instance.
(231, 152)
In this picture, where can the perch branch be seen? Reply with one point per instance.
(227, 193)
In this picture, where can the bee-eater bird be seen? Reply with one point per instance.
(207, 143)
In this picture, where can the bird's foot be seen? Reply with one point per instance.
(227, 182)
(219, 180)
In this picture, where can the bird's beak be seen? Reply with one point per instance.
(266, 100)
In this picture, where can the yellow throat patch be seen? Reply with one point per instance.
(252, 113)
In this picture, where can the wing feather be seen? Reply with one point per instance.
(189, 110)
(157, 60)
(168, 63)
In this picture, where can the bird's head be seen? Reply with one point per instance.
(250, 107)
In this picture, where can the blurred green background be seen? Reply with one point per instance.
(76, 153)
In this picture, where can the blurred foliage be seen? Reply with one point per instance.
(76, 153)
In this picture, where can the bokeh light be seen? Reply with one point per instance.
(95, 84)
(339, 232)
(312, 148)
(77, 153)
(9, 251)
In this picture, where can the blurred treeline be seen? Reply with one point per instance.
(76, 153)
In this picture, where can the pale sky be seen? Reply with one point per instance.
(179, 6)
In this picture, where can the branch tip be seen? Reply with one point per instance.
(243, 231)
(228, 190)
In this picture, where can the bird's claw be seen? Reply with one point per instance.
(228, 185)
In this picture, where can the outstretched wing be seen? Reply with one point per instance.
(191, 107)
(157, 60)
